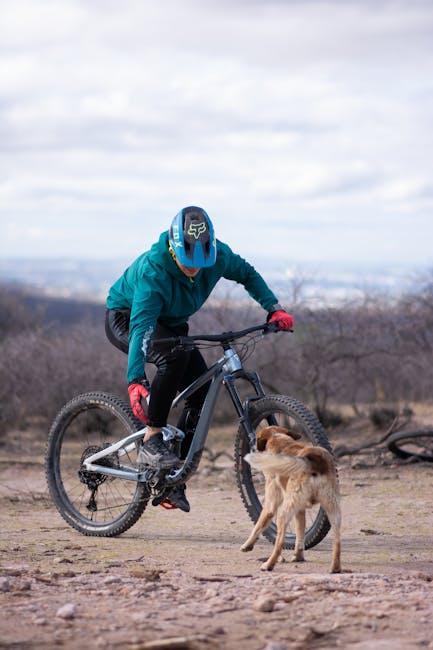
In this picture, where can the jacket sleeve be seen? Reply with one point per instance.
(146, 308)
(238, 269)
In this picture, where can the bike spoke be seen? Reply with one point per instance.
(112, 493)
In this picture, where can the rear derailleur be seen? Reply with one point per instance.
(92, 479)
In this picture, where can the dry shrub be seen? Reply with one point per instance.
(42, 369)
(372, 352)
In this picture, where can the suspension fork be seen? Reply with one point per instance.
(242, 409)
(255, 380)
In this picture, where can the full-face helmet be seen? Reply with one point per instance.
(192, 238)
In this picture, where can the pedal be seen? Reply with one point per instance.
(159, 498)
(168, 506)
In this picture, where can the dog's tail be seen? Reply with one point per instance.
(321, 461)
(278, 463)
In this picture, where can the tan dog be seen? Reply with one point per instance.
(297, 476)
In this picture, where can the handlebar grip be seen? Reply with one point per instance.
(273, 327)
(270, 327)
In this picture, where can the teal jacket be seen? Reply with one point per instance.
(156, 290)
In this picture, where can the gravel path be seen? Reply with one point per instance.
(179, 581)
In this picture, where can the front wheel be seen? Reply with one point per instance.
(92, 503)
(290, 413)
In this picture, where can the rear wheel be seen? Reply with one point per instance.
(295, 416)
(92, 503)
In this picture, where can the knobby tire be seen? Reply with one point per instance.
(120, 410)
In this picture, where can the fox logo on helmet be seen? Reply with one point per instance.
(196, 229)
(192, 238)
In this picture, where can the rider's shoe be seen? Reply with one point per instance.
(156, 454)
(176, 498)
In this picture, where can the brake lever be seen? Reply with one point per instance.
(273, 327)
(270, 327)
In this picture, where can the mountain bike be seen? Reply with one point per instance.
(92, 470)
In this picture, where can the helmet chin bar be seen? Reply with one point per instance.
(182, 266)
(192, 238)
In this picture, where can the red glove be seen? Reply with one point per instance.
(137, 392)
(282, 319)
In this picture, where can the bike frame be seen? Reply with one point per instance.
(224, 372)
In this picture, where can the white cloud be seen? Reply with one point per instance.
(115, 115)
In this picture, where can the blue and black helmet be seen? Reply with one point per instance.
(192, 238)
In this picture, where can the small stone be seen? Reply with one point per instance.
(5, 585)
(264, 604)
(41, 621)
(46, 580)
(109, 580)
(370, 531)
(135, 593)
(152, 575)
(140, 617)
(67, 612)
(15, 571)
(125, 591)
(62, 560)
(219, 631)
(73, 547)
(135, 641)
(25, 586)
(419, 575)
(275, 645)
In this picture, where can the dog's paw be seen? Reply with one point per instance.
(266, 566)
(298, 557)
(247, 547)
(335, 569)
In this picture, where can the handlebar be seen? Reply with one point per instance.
(224, 337)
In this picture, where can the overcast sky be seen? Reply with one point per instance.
(303, 128)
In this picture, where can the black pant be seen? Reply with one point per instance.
(175, 369)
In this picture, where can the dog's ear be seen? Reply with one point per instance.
(293, 434)
(263, 437)
(265, 434)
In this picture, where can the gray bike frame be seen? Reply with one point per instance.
(224, 372)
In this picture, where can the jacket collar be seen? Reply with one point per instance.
(168, 263)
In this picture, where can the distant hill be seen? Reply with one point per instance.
(90, 280)
(50, 310)
(64, 311)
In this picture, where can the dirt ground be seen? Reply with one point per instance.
(178, 580)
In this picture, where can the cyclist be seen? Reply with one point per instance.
(154, 298)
